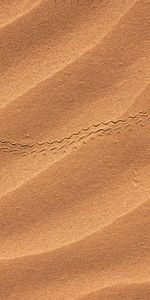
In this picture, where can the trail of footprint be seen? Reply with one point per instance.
(82, 135)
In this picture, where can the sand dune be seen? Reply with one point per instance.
(126, 291)
(74, 150)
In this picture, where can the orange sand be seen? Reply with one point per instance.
(74, 150)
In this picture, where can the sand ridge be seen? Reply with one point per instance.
(74, 150)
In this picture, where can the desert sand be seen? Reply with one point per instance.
(74, 150)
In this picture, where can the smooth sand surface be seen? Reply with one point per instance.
(75, 150)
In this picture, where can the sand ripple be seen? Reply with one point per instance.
(74, 150)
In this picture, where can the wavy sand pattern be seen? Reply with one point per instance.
(74, 150)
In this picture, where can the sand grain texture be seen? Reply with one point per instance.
(74, 150)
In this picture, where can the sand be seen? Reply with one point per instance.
(74, 150)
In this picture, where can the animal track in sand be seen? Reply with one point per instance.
(100, 129)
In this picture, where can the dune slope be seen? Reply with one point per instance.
(74, 150)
